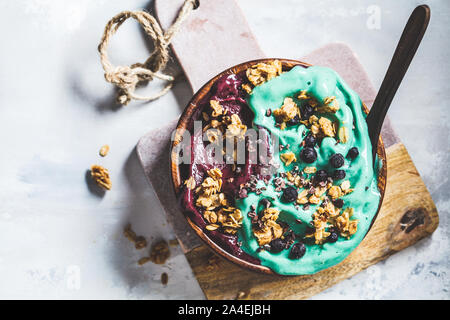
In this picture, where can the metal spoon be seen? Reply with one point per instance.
(406, 48)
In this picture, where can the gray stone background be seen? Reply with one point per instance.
(61, 240)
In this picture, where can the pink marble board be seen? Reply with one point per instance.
(214, 37)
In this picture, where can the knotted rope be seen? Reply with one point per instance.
(126, 78)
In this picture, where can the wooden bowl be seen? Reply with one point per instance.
(182, 125)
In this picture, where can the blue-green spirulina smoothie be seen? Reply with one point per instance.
(320, 83)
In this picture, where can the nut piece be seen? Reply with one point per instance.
(101, 176)
(104, 150)
(160, 252)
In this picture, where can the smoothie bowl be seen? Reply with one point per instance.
(272, 165)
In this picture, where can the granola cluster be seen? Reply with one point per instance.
(139, 241)
(288, 111)
(266, 228)
(160, 252)
(214, 203)
(100, 175)
(219, 124)
(322, 127)
(294, 113)
(330, 105)
(262, 72)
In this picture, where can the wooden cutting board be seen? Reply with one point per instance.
(408, 213)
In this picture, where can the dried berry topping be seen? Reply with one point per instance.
(308, 155)
(337, 160)
(310, 140)
(353, 153)
(289, 194)
(333, 237)
(277, 245)
(321, 176)
(298, 250)
(338, 174)
(338, 203)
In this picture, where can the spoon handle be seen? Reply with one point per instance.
(406, 48)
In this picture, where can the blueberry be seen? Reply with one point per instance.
(289, 194)
(338, 203)
(321, 176)
(277, 245)
(333, 237)
(310, 141)
(308, 154)
(353, 153)
(338, 174)
(337, 160)
(298, 250)
(294, 121)
(306, 111)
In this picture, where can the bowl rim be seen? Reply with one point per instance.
(181, 127)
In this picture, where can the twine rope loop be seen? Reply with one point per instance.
(126, 78)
